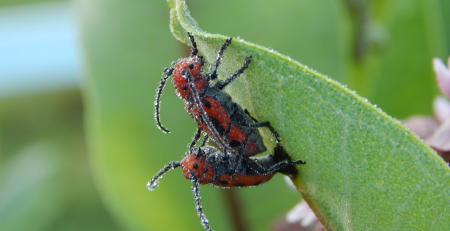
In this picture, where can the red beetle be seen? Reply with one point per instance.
(207, 165)
(223, 120)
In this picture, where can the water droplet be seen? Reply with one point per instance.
(152, 185)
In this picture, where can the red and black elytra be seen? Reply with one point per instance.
(207, 165)
(223, 120)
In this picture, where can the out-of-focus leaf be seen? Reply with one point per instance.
(402, 38)
(44, 166)
(364, 169)
(444, 9)
(31, 189)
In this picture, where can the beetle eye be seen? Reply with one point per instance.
(191, 66)
(195, 166)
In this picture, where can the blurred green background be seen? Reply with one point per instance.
(78, 140)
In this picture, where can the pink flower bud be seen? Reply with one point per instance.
(442, 76)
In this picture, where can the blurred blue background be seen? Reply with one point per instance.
(38, 49)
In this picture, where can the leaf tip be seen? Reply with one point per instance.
(171, 3)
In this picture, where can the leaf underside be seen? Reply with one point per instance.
(364, 169)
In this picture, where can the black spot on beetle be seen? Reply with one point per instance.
(191, 66)
(234, 143)
(223, 182)
(195, 166)
(217, 125)
(206, 103)
(238, 185)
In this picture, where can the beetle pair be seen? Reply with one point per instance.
(227, 124)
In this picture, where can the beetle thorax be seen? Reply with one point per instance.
(197, 164)
(194, 65)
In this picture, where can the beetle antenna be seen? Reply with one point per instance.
(196, 191)
(168, 72)
(202, 112)
(213, 74)
(194, 50)
(154, 182)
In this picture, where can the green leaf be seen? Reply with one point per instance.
(364, 169)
